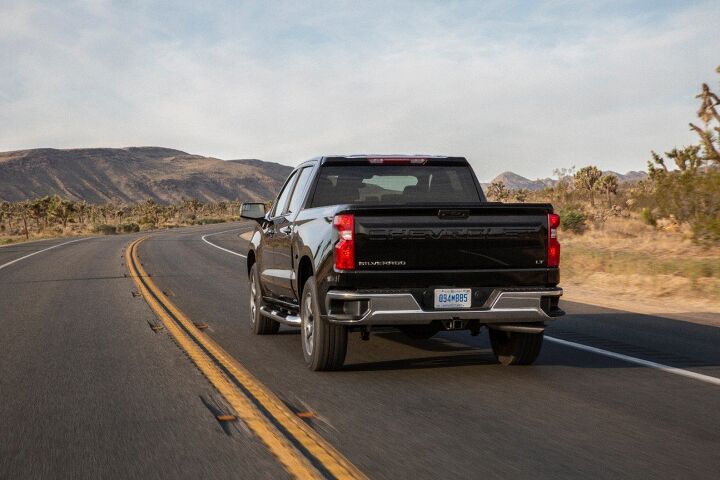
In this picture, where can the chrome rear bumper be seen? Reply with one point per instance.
(509, 305)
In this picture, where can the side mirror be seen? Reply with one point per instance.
(253, 211)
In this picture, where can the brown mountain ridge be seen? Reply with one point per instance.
(135, 174)
(513, 181)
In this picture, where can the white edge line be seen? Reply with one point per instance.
(40, 251)
(638, 361)
(218, 246)
(29, 242)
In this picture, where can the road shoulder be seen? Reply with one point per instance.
(687, 312)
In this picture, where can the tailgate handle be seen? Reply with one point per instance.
(452, 214)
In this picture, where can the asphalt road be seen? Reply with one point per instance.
(89, 390)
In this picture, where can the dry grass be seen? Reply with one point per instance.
(628, 259)
(76, 230)
(45, 235)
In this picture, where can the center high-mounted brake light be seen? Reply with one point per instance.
(397, 161)
(345, 247)
(553, 246)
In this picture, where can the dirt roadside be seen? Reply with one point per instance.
(706, 313)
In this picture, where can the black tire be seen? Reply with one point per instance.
(516, 348)
(420, 332)
(260, 325)
(323, 344)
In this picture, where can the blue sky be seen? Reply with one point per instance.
(522, 86)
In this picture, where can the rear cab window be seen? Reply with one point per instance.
(365, 183)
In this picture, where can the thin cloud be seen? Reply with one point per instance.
(512, 88)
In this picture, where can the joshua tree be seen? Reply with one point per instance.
(171, 211)
(6, 213)
(60, 209)
(586, 178)
(521, 194)
(563, 185)
(39, 211)
(81, 209)
(608, 184)
(686, 159)
(23, 209)
(710, 135)
(234, 207)
(192, 205)
(120, 211)
(93, 212)
(221, 207)
(151, 211)
(498, 191)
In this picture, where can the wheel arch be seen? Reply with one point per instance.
(250, 260)
(305, 271)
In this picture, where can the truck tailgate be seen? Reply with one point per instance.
(474, 237)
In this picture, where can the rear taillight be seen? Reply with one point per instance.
(553, 246)
(345, 247)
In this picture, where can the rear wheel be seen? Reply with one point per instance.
(515, 348)
(324, 345)
(260, 325)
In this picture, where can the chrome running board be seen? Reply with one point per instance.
(285, 319)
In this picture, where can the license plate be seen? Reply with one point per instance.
(453, 297)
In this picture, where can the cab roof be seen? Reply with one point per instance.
(391, 159)
(356, 156)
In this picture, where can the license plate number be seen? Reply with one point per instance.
(453, 297)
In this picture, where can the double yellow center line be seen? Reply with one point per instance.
(298, 448)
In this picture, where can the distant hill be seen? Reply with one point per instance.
(135, 174)
(513, 181)
(632, 176)
(165, 175)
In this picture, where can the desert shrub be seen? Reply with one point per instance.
(146, 220)
(573, 220)
(128, 227)
(207, 221)
(692, 197)
(648, 217)
(708, 230)
(703, 270)
(104, 229)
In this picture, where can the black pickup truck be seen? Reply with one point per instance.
(361, 242)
